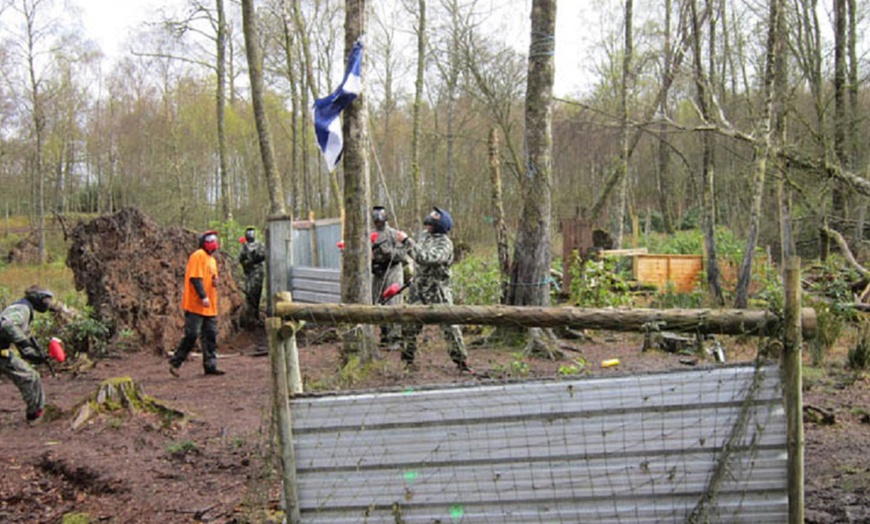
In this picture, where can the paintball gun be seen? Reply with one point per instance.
(391, 291)
(55, 351)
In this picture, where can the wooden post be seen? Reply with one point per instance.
(315, 256)
(791, 364)
(281, 399)
(291, 349)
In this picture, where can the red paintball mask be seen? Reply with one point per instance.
(210, 241)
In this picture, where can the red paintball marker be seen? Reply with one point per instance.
(391, 291)
(55, 351)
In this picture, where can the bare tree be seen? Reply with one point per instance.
(762, 154)
(420, 32)
(708, 200)
(36, 32)
(255, 71)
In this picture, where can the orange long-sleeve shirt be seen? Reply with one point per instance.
(204, 266)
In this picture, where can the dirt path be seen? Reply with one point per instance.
(122, 469)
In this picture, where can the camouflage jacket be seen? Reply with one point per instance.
(433, 255)
(15, 327)
(386, 251)
(252, 256)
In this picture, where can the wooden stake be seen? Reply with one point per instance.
(281, 399)
(792, 390)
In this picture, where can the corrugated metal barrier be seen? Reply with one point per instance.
(707, 443)
(304, 259)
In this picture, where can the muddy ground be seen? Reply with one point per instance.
(126, 468)
(215, 465)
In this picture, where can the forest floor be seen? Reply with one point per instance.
(139, 468)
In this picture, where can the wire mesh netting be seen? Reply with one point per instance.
(706, 445)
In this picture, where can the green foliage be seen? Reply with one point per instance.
(773, 292)
(670, 298)
(230, 231)
(829, 327)
(597, 283)
(858, 358)
(832, 280)
(77, 518)
(517, 368)
(476, 280)
(577, 366)
(729, 248)
(178, 449)
(86, 334)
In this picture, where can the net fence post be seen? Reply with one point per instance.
(791, 364)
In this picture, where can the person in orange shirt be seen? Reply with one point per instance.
(199, 301)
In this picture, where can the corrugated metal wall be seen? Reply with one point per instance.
(293, 246)
(631, 449)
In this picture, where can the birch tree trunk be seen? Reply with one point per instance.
(762, 152)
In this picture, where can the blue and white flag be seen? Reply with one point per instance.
(327, 125)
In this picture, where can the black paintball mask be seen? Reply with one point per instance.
(249, 235)
(40, 299)
(379, 215)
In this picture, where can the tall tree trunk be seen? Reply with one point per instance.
(416, 187)
(838, 198)
(788, 247)
(295, 109)
(356, 260)
(221, 102)
(762, 152)
(664, 151)
(623, 124)
(708, 200)
(501, 235)
(854, 112)
(255, 70)
(530, 271)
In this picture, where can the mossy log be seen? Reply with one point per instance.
(715, 321)
(122, 393)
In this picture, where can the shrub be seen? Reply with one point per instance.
(476, 280)
(597, 283)
(858, 358)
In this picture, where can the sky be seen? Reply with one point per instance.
(111, 22)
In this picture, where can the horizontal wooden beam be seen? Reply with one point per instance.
(713, 321)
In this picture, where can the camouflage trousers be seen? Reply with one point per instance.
(432, 294)
(254, 288)
(25, 378)
(390, 333)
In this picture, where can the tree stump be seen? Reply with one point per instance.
(122, 393)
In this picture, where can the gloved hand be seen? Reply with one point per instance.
(31, 352)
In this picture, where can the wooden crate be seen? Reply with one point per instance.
(681, 270)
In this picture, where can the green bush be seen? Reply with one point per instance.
(858, 358)
(597, 283)
(670, 298)
(829, 327)
(477, 281)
